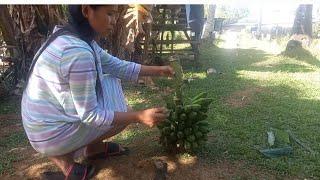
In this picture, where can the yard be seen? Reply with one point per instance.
(254, 89)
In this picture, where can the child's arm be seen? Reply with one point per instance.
(130, 70)
(149, 117)
(119, 68)
(156, 71)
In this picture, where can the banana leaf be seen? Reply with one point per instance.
(277, 152)
(299, 142)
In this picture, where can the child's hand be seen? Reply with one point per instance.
(153, 116)
(166, 71)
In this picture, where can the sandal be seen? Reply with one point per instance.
(110, 149)
(78, 171)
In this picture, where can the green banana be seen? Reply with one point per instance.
(193, 116)
(198, 135)
(180, 135)
(191, 138)
(194, 145)
(192, 107)
(183, 117)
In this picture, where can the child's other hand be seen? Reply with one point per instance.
(153, 116)
(166, 71)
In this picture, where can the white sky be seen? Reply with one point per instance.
(273, 11)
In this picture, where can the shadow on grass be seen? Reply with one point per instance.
(249, 59)
(10, 104)
(302, 54)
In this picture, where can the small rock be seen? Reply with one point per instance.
(211, 71)
(141, 81)
(190, 79)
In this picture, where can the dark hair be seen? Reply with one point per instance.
(79, 23)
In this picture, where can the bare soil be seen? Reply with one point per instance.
(242, 98)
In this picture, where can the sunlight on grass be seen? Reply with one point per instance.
(186, 159)
(141, 97)
(233, 40)
(201, 75)
(133, 101)
(280, 60)
(127, 134)
(305, 88)
(262, 76)
(181, 46)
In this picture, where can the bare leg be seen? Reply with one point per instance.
(64, 162)
(97, 146)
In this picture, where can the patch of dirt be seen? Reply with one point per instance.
(243, 98)
(5, 117)
(144, 151)
(30, 164)
(10, 123)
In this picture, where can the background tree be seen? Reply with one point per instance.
(303, 20)
(25, 27)
(301, 33)
(209, 28)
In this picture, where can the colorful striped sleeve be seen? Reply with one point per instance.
(78, 67)
(121, 69)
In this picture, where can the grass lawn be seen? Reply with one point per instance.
(11, 135)
(253, 91)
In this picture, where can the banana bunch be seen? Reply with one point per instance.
(186, 128)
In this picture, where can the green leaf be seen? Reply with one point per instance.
(277, 152)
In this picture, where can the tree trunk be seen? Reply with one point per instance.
(301, 33)
(6, 26)
(303, 20)
(25, 27)
(209, 27)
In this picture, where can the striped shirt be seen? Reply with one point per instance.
(61, 93)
